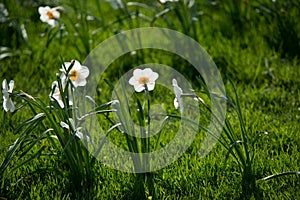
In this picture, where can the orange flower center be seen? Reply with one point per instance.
(73, 75)
(143, 80)
(50, 15)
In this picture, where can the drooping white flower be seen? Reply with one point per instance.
(165, 1)
(49, 15)
(77, 131)
(77, 74)
(8, 105)
(178, 95)
(142, 77)
(56, 95)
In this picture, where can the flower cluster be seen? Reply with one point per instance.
(72, 72)
(145, 78)
(73, 75)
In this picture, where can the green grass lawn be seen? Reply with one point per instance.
(255, 44)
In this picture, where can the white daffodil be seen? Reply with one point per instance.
(178, 95)
(56, 95)
(77, 73)
(8, 105)
(142, 77)
(165, 1)
(49, 15)
(78, 133)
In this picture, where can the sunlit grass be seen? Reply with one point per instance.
(250, 45)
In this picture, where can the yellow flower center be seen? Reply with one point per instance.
(74, 74)
(50, 15)
(143, 80)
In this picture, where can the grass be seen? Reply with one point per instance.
(256, 47)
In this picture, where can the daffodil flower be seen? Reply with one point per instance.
(178, 103)
(142, 77)
(8, 105)
(178, 95)
(49, 15)
(77, 131)
(56, 95)
(77, 74)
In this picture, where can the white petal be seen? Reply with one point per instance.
(11, 106)
(57, 97)
(139, 88)
(79, 135)
(55, 13)
(174, 82)
(8, 105)
(44, 18)
(64, 125)
(137, 73)
(43, 10)
(176, 104)
(151, 86)
(177, 89)
(76, 65)
(52, 22)
(11, 86)
(84, 72)
(5, 95)
(61, 103)
(133, 81)
(4, 106)
(63, 79)
(153, 76)
(79, 82)
(147, 71)
(4, 85)
(54, 136)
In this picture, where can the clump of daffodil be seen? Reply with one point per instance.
(75, 73)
